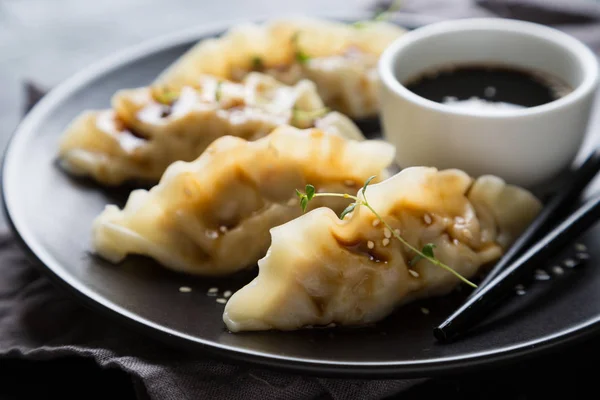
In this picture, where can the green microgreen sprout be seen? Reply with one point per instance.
(387, 13)
(299, 116)
(427, 252)
(382, 15)
(299, 54)
(218, 91)
(165, 95)
(257, 63)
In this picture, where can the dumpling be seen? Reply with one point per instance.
(212, 216)
(321, 270)
(149, 128)
(341, 58)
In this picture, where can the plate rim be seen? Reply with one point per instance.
(372, 369)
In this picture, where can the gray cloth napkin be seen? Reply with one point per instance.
(41, 323)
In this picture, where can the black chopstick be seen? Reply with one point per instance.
(479, 306)
(576, 183)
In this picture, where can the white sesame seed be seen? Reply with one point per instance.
(376, 222)
(520, 289)
(211, 234)
(185, 289)
(425, 310)
(580, 247)
(397, 232)
(212, 291)
(557, 270)
(385, 242)
(583, 256)
(569, 263)
(227, 294)
(413, 273)
(541, 275)
(489, 91)
(223, 229)
(221, 300)
(387, 233)
(370, 244)
(427, 219)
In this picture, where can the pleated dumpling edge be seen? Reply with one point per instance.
(230, 197)
(320, 270)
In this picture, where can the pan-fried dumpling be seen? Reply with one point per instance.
(340, 58)
(212, 216)
(149, 128)
(321, 270)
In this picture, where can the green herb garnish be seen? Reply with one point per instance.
(427, 251)
(381, 15)
(299, 116)
(348, 210)
(218, 91)
(300, 55)
(165, 96)
(257, 63)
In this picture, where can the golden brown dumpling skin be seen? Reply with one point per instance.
(341, 58)
(212, 216)
(149, 128)
(321, 270)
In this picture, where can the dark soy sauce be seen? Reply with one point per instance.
(489, 86)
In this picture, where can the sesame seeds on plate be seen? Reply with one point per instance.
(580, 247)
(570, 263)
(558, 270)
(212, 291)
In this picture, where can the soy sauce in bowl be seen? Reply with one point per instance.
(487, 85)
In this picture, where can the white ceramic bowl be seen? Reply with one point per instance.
(523, 146)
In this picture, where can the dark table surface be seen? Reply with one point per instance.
(46, 41)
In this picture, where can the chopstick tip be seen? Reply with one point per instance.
(441, 335)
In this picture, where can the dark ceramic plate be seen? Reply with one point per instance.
(52, 214)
